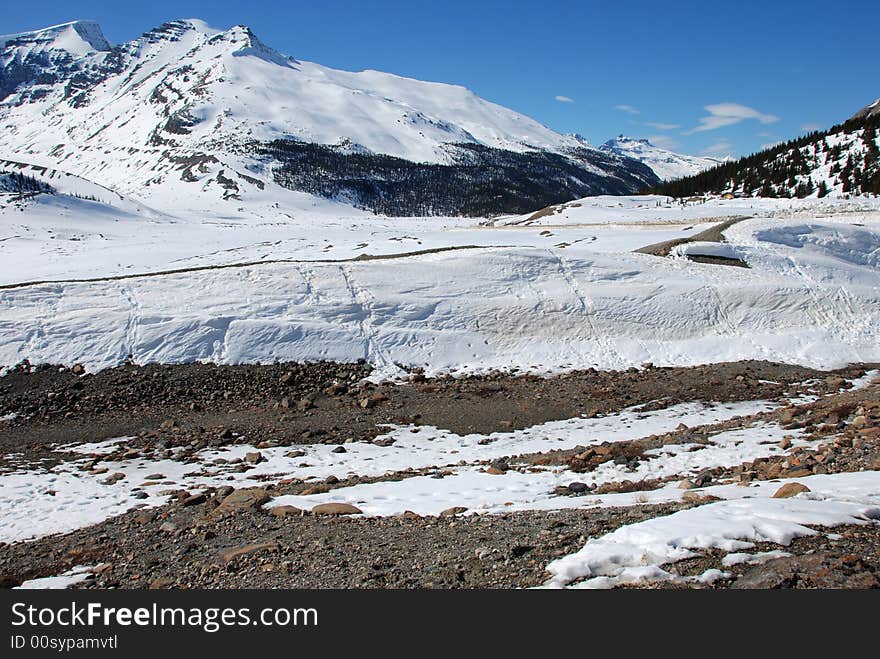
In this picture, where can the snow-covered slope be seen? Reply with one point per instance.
(186, 112)
(69, 185)
(843, 161)
(667, 165)
(537, 300)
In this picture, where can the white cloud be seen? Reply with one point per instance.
(809, 128)
(721, 149)
(564, 99)
(629, 109)
(769, 145)
(728, 114)
(664, 142)
(662, 126)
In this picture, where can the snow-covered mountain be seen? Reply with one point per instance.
(186, 114)
(871, 110)
(667, 165)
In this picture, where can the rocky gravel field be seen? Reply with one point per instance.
(224, 537)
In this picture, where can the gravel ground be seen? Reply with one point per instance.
(142, 549)
(199, 405)
(207, 542)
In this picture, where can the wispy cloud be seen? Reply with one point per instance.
(664, 142)
(720, 149)
(662, 126)
(809, 128)
(564, 99)
(629, 109)
(769, 145)
(728, 114)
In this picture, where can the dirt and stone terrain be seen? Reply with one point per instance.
(224, 538)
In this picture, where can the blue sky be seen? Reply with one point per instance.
(696, 78)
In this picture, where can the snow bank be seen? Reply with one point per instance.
(475, 309)
(731, 525)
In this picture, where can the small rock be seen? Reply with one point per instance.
(696, 497)
(315, 489)
(253, 458)
(835, 382)
(336, 509)
(790, 490)
(194, 499)
(223, 491)
(685, 484)
(285, 511)
(703, 478)
(335, 389)
(452, 512)
(113, 478)
(230, 554)
(161, 583)
(247, 498)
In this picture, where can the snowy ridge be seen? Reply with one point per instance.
(76, 38)
(667, 165)
(75, 186)
(178, 114)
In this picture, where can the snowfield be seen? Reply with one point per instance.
(526, 297)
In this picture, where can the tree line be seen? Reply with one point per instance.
(850, 151)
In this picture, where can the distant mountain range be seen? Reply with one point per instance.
(667, 165)
(190, 115)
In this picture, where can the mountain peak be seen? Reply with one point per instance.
(239, 40)
(666, 164)
(76, 37)
(625, 139)
(172, 31)
(247, 43)
(871, 110)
